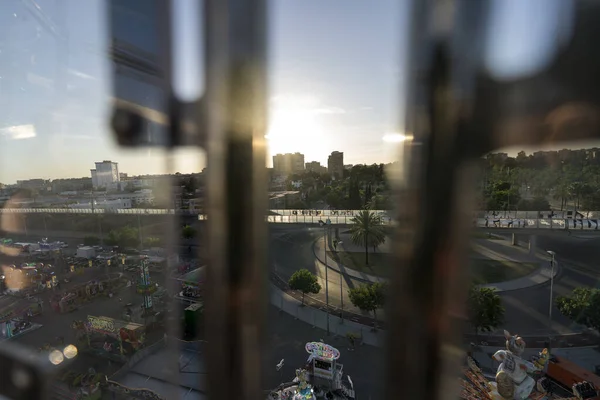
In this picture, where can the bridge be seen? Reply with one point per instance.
(514, 221)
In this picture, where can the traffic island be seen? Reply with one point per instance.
(487, 271)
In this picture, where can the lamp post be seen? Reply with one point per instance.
(326, 227)
(552, 263)
(341, 287)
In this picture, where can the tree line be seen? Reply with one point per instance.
(567, 178)
(360, 185)
(129, 237)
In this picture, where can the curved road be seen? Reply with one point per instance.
(292, 249)
(526, 309)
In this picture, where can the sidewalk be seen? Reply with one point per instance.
(318, 319)
(577, 346)
(496, 250)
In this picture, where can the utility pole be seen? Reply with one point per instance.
(552, 263)
(326, 280)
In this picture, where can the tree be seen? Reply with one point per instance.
(367, 230)
(354, 201)
(188, 232)
(123, 237)
(152, 241)
(368, 195)
(304, 281)
(582, 306)
(535, 204)
(484, 308)
(368, 297)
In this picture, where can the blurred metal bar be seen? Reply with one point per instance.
(173, 318)
(428, 238)
(235, 110)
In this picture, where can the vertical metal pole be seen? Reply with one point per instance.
(140, 231)
(326, 280)
(235, 112)
(100, 228)
(342, 297)
(551, 295)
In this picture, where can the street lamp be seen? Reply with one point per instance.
(341, 287)
(552, 263)
(326, 226)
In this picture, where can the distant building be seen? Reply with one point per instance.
(116, 204)
(196, 204)
(34, 184)
(106, 175)
(289, 163)
(71, 185)
(335, 165)
(315, 166)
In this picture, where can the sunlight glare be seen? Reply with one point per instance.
(396, 137)
(295, 126)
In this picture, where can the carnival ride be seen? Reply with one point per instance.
(15, 320)
(321, 377)
(517, 378)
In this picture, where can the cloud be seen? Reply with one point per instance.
(329, 110)
(304, 104)
(80, 74)
(19, 132)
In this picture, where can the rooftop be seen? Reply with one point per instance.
(150, 373)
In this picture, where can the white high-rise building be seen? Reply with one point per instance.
(106, 174)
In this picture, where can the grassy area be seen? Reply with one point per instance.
(494, 271)
(482, 271)
(379, 263)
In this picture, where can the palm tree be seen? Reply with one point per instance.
(367, 231)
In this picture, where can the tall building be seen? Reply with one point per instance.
(289, 163)
(106, 174)
(335, 164)
(315, 166)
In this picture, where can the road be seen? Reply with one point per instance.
(292, 249)
(527, 310)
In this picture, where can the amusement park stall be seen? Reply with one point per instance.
(110, 337)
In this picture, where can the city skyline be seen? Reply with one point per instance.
(307, 164)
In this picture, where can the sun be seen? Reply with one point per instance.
(297, 128)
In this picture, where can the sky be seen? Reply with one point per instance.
(334, 68)
(333, 86)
